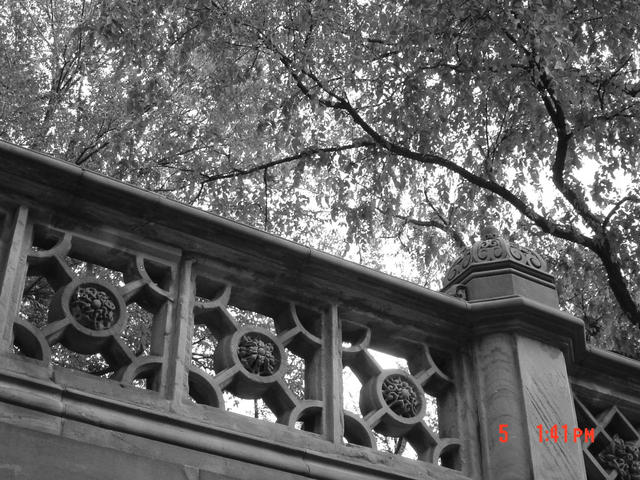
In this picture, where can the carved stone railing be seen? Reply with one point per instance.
(135, 323)
(125, 312)
(606, 387)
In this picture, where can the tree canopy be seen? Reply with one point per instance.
(384, 131)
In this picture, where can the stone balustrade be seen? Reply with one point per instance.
(131, 324)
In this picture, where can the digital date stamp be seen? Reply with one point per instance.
(554, 434)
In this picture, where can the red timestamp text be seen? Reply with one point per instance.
(563, 433)
(557, 433)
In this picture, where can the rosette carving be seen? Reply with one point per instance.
(93, 307)
(401, 396)
(258, 355)
(623, 457)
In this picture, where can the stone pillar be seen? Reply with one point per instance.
(518, 364)
(14, 235)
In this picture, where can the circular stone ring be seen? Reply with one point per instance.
(398, 396)
(95, 311)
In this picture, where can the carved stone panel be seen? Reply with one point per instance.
(615, 449)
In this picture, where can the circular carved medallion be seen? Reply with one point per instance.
(258, 354)
(397, 400)
(93, 307)
(401, 396)
(93, 311)
(256, 358)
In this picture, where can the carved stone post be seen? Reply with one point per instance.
(14, 232)
(517, 362)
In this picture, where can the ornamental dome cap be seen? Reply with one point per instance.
(494, 252)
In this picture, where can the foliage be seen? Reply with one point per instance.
(380, 131)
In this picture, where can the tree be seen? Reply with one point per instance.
(359, 126)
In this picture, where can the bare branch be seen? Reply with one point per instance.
(89, 152)
(434, 224)
(307, 152)
(452, 231)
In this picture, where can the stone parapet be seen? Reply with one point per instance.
(112, 298)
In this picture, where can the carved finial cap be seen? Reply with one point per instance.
(494, 257)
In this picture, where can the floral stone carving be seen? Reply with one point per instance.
(401, 396)
(490, 249)
(258, 354)
(623, 457)
(93, 307)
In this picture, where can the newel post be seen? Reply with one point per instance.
(517, 362)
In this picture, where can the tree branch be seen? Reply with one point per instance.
(89, 152)
(434, 224)
(307, 152)
(616, 280)
(599, 244)
(338, 102)
(616, 207)
(544, 85)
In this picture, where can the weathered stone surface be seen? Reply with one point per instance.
(548, 401)
(36, 455)
(523, 383)
(206, 464)
(500, 403)
(245, 445)
(25, 417)
(506, 350)
(15, 232)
